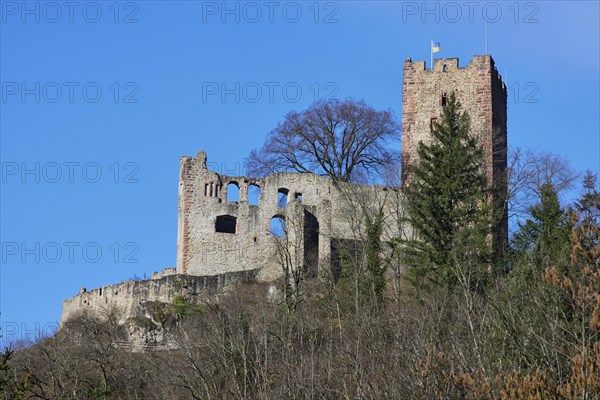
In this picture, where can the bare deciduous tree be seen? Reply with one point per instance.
(290, 245)
(528, 171)
(346, 140)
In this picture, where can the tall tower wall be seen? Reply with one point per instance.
(482, 94)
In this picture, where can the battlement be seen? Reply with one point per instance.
(481, 65)
(451, 64)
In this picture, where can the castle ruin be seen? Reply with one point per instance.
(232, 239)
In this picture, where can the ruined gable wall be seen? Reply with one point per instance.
(203, 197)
(202, 251)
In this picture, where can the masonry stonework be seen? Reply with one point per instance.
(124, 298)
(478, 87)
(315, 211)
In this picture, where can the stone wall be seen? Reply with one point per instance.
(125, 298)
(480, 90)
(315, 209)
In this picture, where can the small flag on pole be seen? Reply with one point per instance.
(435, 47)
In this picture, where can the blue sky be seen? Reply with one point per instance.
(100, 99)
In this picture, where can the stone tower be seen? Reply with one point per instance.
(480, 90)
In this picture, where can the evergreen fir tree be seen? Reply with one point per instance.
(544, 239)
(589, 204)
(447, 203)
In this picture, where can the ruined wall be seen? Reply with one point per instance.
(323, 212)
(124, 298)
(210, 263)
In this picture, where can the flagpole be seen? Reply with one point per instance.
(486, 38)
(431, 54)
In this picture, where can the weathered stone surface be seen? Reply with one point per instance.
(163, 273)
(125, 299)
(480, 90)
(322, 214)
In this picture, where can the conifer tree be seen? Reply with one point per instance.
(447, 203)
(544, 239)
(589, 204)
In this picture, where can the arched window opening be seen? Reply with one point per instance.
(443, 100)
(298, 196)
(282, 197)
(233, 192)
(225, 224)
(277, 226)
(445, 69)
(253, 194)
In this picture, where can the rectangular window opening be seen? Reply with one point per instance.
(432, 124)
